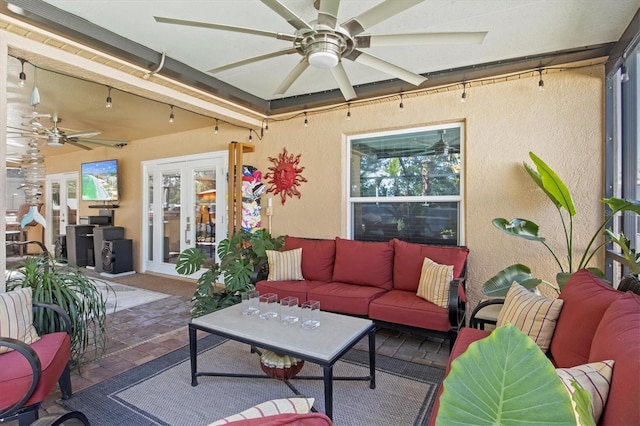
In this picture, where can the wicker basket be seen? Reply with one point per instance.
(281, 367)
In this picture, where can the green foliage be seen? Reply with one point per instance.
(239, 256)
(74, 292)
(560, 196)
(632, 259)
(505, 379)
(498, 285)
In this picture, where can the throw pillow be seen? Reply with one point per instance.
(271, 408)
(534, 315)
(285, 265)
(434, 282)
(594, 378)
(16, 317)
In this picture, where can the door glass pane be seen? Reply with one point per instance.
(55, 209)
(171, 215)
(150, 217)
(72, 202)
(204, 187)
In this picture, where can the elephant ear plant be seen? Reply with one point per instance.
(560, 196)
(240, 258)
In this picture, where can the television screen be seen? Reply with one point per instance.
(100, 181)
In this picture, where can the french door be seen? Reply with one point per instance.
(186, 199)
(62, 206)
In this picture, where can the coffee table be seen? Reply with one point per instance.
(324, 345)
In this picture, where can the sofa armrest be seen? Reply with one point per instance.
(457, 304)
(34, 363)
(479, 323)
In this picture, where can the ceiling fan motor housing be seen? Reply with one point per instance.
(324, 48)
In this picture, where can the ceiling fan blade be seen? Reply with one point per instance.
(293, 76)
(344, 84)
(103, 141)
(386, 67)
(85, 134)
(377, 14)
(418, 39)
(328, 13)
(294, 20)
(254, 59)
(270, 34)
(79, 145)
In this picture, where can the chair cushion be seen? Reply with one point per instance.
(344, 298)
(364, 263)
(404, 307)
(594, 378)
(16, 317)
(434, 282)
(308, 419)
(407, 261)
(270, 408)
(285, 265)
(317, 257)
(618, 338)
(534, 315)
(586, 298)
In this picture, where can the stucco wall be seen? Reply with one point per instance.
(504, 121)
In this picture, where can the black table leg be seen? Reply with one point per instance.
(372, 358)
(328, 391)
(193, 350)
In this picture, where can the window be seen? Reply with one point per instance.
(408, 185)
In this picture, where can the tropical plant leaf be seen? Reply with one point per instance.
(190, 261)
(522, 228)
(499, 284)
(582, 399)
(553, 186)
(622, 205)
(535, 176)
(504, 379)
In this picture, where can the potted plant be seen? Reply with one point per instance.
(631, 261)
(240, 257)
(447, 233)
(557, 192)
(74, 292)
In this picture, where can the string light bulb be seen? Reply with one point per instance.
(401, 103)
(463, 97)
(348, 112)
(541, 82)
(266, 126)
(624, 73)
(215, 129)
(171, 116)
(109, 103)
(23, 76)
(306, 121)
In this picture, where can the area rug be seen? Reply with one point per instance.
(160, 392)
(120, 296)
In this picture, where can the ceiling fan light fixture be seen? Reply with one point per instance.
(324, 50)
(54, 141)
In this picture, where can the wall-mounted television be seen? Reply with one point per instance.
(100, 181)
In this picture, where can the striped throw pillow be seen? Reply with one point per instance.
(16, 317)
(534, 315)
(434, 282)
(270, 408)
(595, 378)
(285, 265)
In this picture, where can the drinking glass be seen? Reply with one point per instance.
(289, 310)
(250, 302)
(268, 306)
(310, 315)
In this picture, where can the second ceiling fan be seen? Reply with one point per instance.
(324, 44)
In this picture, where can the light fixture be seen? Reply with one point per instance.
(348, 112)
(250, 137)
(23, 76)
(541, 82)
(215, 129)
(109, 104)
(463, 97)
(171, 116)
(401, 103)
(323, 50)
(266, 126)
(35, 93)
(306, 121)
(624, 73)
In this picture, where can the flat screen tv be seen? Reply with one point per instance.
(100, 181)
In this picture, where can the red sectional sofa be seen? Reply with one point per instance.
(378, 280)
(596, 323)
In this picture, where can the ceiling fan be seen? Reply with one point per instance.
(325, 44)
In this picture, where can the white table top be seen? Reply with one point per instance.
(334, 334)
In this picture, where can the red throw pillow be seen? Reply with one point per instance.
(317, 257)
(408, 258)
(364, 263)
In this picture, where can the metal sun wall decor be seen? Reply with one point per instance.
(284, 176)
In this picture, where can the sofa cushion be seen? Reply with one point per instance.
(16, 317)
(270, 408)
(317, 257)
(534, 315)
(586, 298)
(618, 337)
(434, 282)
(364, 263)
(344, 297)
(307, 419)
(285, 265)
(404, 307)
(407, 261)
(297, 289)
(594, 378)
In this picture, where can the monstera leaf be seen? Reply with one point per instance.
(190, 261)
(505, 379)
(499, 284)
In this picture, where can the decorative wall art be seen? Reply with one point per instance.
(252, 189)
(284, 176)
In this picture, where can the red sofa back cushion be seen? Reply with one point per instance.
(618, 338)
(586, 298)
(408, 258)
(363, 263)
(317, 257)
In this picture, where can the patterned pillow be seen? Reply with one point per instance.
(16, 317)
(285, 265)
(534, 315)
(595, 378)
(271, 408)
(434, 282)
